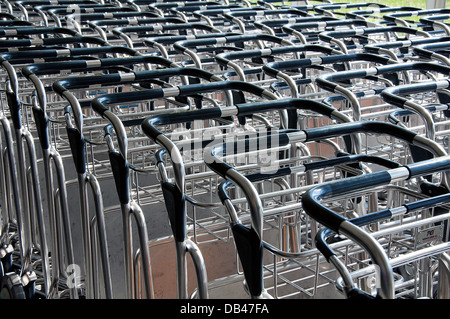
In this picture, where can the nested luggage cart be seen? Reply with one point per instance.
(220, 129)
(16, 99)
(193, 186)
(130, 81)
(304, 261)
(405, 242)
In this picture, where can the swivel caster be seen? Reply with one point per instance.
(6, 257)
(11, 287)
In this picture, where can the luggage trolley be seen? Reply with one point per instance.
(335, 37)
(399, 18)
(308, 32)
(214, 17)
(12, 223)
(132, 34)
(333, 9)
(60, 15)
(192, 186)
(390, 244)
(45, 112)
(109, 16)
(434, 51)
(171, 84)
(8, 34)
(152, 127)
(240, 17)
(50, 54)
(306, 86)
(25, 10)
(307, 258)
(289, 277)
(9, 20)
(68, 87)
(303, 82)
(376, 14)
(164, 45)
(72, 39)
(275, 26)
(249, 63)
(434, 21)
(27, 57)
(24, 221)
(30, 192)
(188, 13)
(162, 8)
(401, 50)
(392, 73)
(196, 49)
(103, 26)
(415, 96)
(137, 77)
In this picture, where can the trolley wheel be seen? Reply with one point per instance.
(11, 287)
(406, 271)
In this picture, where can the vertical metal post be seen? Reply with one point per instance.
(444, 277)
(434, 4)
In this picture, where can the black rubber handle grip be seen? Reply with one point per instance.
(360, 127)
(330, 219)
(99, 104)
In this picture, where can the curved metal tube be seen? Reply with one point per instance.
(329, 81)
(393, 95)
(274, 69)
(311, 203)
